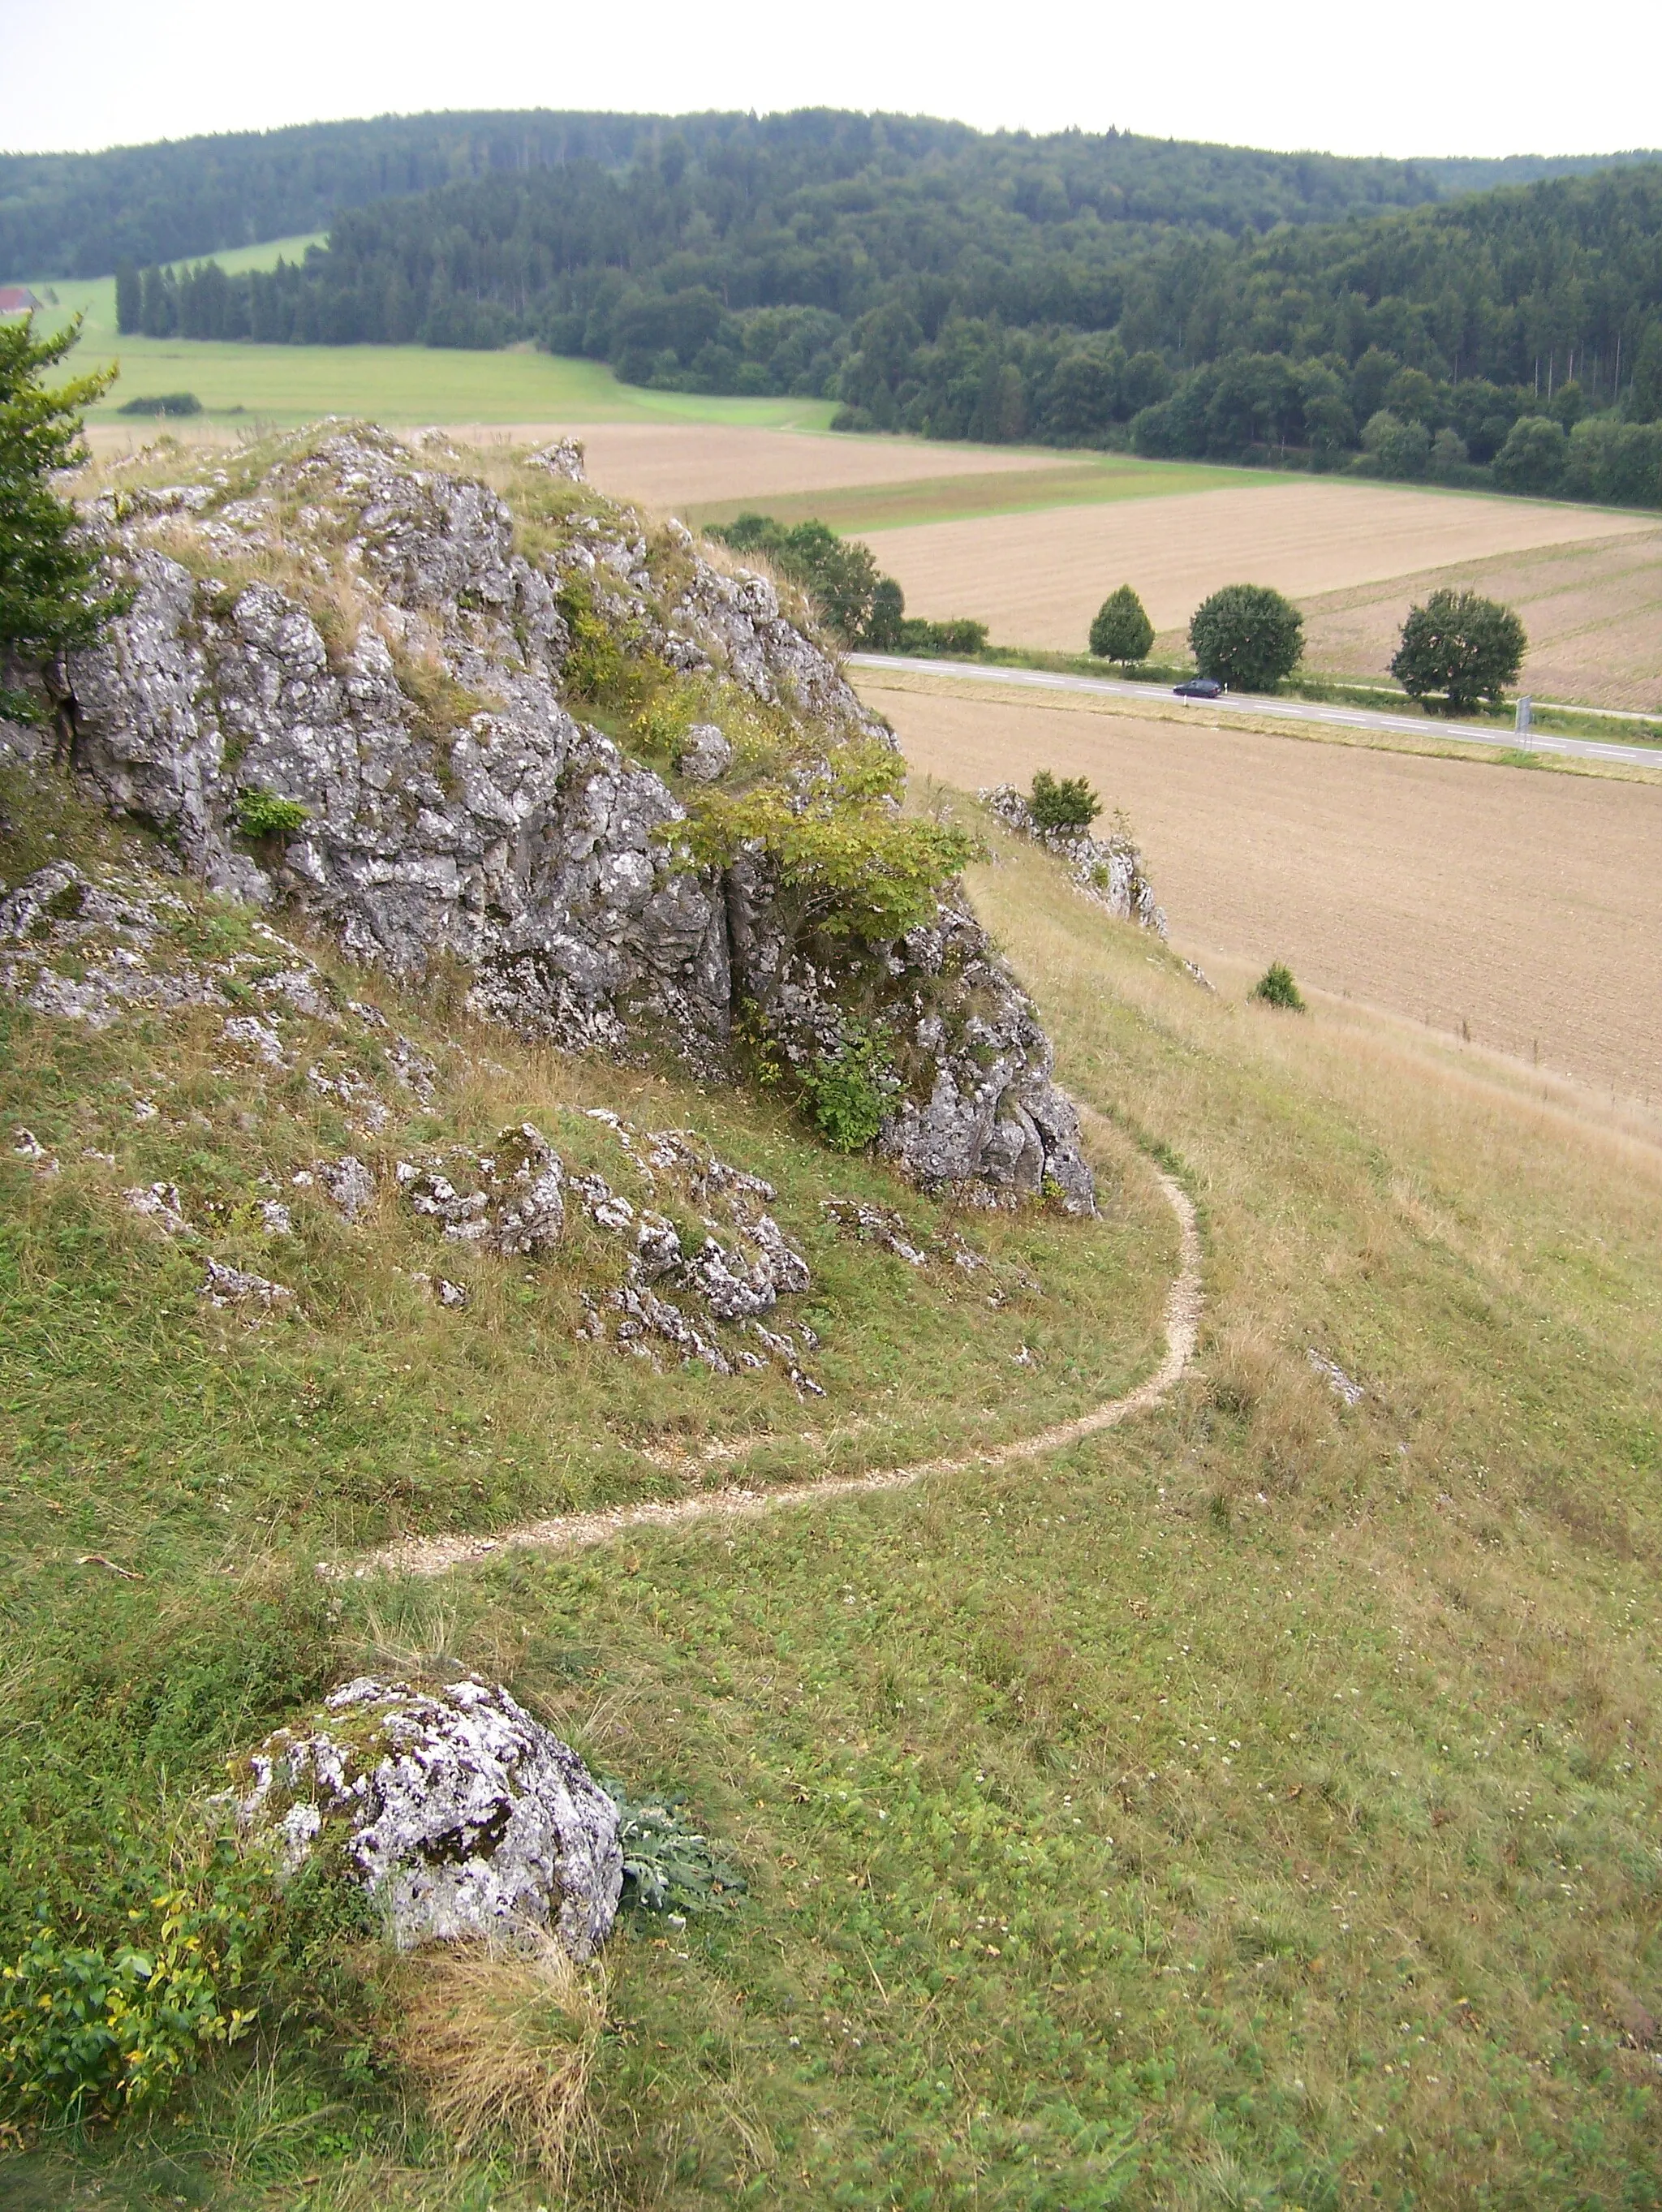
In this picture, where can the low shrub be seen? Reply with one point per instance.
(163, 403)
(668, 1866)
(92, 2030)
(849, 1091)
(1066, 802)
(1276, 987)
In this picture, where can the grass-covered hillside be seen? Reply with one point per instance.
(1255, 1805)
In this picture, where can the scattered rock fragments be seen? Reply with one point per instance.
(457, 1812)
(517, 1205)
(231, 1286)
(349, 1183)
(160, 1202)
(1340, 1384)
(514, 1201)
(28, 1146)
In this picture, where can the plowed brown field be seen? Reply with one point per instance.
(1527, 907)
(1039, 577)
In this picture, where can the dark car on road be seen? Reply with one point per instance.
(1199, 687)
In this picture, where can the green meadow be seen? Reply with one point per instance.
(284, 385)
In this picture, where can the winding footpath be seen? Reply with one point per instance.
(576, 1532)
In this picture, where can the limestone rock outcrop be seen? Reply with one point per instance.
(354, 681)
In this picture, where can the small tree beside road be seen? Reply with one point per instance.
(1122, 630)
(1247, 636)
(1459, 648)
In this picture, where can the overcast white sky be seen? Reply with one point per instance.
(1420, 76)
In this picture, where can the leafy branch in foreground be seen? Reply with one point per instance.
(49, 596)
(856, 866)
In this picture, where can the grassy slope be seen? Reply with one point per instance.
(1254, 1808)
(392, 384)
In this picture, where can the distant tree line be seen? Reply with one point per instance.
(1180, 300)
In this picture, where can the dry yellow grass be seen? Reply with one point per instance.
(502, 2037)
(1037, 579)
(1523, 908)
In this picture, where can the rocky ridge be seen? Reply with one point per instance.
(354, 681)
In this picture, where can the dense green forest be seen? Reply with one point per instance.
(80, 215)
(1110, 290)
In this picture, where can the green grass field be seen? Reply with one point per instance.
(284, 385)
(1256, 1807)
(1080, 480)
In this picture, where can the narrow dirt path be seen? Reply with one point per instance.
(576, 1532)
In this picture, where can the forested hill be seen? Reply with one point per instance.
(81, 215)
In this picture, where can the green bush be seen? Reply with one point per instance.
(1067, 803)
(960, 636)
(848, 862)
(1276, 987)
(1122, 630)
(87, 2030)
(849, 1091)
(1534, 456)
(1246, 636)
(164, 403)
(263, 814)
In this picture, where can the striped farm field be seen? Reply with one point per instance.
(1037, 579)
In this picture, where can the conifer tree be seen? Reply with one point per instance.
(50, 599)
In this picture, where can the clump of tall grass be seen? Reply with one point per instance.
(502, 2037)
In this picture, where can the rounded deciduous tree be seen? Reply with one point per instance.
(1460, 647)
(1246, 636)
(1532, 459)
(1122, 630)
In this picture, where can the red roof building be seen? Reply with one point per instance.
(16, 300)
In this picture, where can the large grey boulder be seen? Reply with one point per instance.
(456, 1811)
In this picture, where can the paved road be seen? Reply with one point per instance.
(1284, 710)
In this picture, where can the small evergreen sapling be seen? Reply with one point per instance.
(50, 599)
(1065, 804)
(1275, 988)
(1122, 630)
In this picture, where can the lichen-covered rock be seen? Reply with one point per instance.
(458, 1813)
(392, 662)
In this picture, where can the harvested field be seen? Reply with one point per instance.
(1593, 613)
(1526, 906)
(1037, 579)
(704, 464)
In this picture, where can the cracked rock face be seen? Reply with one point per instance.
(458, 1813)
(399, 669)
